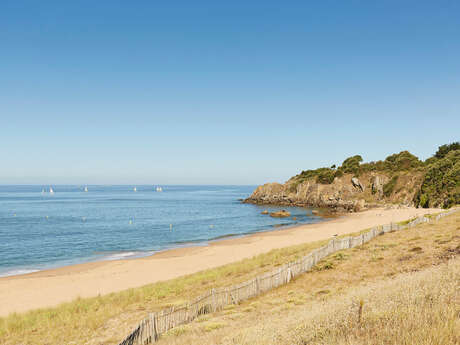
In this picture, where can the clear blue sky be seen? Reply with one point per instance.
(221, 92)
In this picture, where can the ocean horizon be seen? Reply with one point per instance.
(41, 230)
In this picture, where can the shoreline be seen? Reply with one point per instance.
(138, 254)
(47, 288)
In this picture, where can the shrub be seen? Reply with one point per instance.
(402, 161)
(325, 176)
(389, 186)
(443, 150)
(441, 184)
(351, 164)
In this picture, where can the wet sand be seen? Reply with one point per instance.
(52, 287)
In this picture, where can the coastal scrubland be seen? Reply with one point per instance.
(403, 283)
(401, 178)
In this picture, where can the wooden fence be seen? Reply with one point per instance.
(155, 324)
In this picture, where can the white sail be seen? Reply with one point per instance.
(86, 188)
(135, 189)
(51, 190)
(159, 189)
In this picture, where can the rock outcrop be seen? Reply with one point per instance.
(280, 214)
(377, 185)
(357, 184)
(345, 194)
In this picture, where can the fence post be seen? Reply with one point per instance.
(155, 331)
(213, 299)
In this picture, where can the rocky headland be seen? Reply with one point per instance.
(401, 179)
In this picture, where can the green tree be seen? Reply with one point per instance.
(443, 150)
(351, 164)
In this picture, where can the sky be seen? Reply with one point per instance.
(214, 92)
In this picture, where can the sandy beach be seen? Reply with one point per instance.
(52, 287)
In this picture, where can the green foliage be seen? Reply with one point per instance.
(390, 186)
(339, 173)
(441, 185)
(325, 176)
(402, 161)
(351, 164)
(307, 174)
(321, 175)
(443, 150)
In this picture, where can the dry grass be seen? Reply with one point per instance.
(107, 319)
(414, 308)
(409, 297)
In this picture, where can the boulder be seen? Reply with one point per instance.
(359, 205)
(264, 212)
(357, 184)
(281, 214)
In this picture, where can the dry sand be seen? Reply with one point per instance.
(51, 287)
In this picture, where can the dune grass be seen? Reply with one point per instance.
(407, 282)
(107, 319)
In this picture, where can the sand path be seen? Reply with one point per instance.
(51, 287)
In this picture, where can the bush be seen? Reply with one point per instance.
(390, 186)
(351, 164)
(443, 150)
(402, 161)
(325, 176)
(441, 184)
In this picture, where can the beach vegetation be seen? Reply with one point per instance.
(385, 298)
(107, 319)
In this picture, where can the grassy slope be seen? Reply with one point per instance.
(107, 319)
(408, 282)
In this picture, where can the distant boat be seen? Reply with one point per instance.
(159, 189)
(135, 189)
(43, 191)
(51, 191)
(86, 188)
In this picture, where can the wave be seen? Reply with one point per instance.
(17, 272)
(125, 255)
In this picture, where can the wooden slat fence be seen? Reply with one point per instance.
(155, 324)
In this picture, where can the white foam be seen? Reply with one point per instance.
(126, 255)
(17, 272)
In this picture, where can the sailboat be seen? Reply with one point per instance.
(135, 189)
(51, 190)
(159, 189)
(86, 188)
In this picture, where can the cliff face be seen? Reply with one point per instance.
(345, 193)
(399, 179)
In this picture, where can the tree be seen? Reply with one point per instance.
(351, 164)
(443, 150)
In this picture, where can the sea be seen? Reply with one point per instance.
(41, 230)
